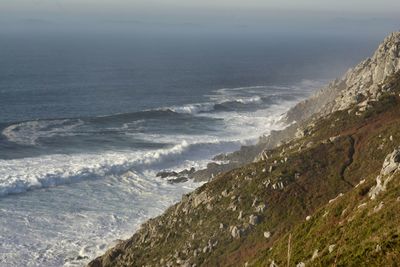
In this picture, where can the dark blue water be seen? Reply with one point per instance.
(58, 76)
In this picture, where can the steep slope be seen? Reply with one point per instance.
(248, 214)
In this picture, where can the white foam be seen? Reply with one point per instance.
(21, 175)
(193, 108)
(254, 99)
(28, 133)
(68, 226)
(117, 190)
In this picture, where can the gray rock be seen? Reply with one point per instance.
(390, 165)
(165, 174)
(235, 232)
(315, 255)
(267, 234)
(254, 219)
(391, 162)
(260, 208)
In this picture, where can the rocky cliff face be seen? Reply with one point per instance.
(329, 197)
(358, 85)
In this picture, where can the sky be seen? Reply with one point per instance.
(207, 13)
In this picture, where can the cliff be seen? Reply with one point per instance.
(327, 196)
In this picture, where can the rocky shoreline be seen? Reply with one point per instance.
(287, 181)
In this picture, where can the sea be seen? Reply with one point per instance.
(88, 119)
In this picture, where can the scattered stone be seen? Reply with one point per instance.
(271, 168)
(308, 218)
(273, 264)
(240, 215)
(315, 255)
(267, 183)
(361, 205)
(338, 196)
(378, 248)
(331, 248)
(379, 207)
(301, 264)
(309, 144)
(333, 139)
(200, 199)
(254, 220)
(235, 232)
(391, 162)
(360, 183)
(254, 202)
(267, 234)
(224, 193)
(260, 208)
(280, 185)
(221, 226)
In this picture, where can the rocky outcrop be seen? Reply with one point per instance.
(357, 85)
(360, 86)
(363, 81)
(390, 166)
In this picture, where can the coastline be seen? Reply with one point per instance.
(338, 97)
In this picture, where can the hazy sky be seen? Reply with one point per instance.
(125, 7)
(200, 12)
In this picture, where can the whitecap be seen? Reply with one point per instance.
(28, 133)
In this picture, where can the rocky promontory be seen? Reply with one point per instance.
(323, 192)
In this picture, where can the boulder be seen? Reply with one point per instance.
(254, 219)
(267, 234)
(390, 166)
(235, 232)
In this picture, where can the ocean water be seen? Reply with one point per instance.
(86, 122)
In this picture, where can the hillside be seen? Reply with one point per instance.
(329, 196)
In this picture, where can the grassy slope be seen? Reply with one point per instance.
(312, 170)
